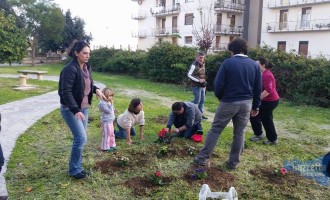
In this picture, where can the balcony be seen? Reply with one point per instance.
(166, 32)
(220, 47)
(228, 30)
(228, 6)
(162, 11)
(299, 26)
(140, 34)
(139, 15)
(294, 3)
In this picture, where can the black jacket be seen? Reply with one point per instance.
(72, 85)
(2, 159)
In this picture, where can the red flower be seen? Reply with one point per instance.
(162, 133)
(283, 171)
(158, 174)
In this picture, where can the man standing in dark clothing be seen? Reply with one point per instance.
(238, 87)
(186, 118)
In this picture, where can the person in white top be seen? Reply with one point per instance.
(126, 121)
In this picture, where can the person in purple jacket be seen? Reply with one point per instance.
(237, 85)
(269, 101)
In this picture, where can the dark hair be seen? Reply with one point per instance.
(264, 61)
(200, 53)
(177, 106)
(77, 46)
(238, 45)
(134, 103)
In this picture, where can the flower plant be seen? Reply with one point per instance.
(281, 171)
(122, 161)
(162, 151)
(157, 178)
(192, 151)
(164, 136)
(199, 174)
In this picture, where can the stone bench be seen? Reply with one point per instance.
(38, 73)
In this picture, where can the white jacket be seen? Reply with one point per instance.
(128, 119)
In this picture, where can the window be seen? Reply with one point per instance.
(175, 25)
(174, 40)
(283, 19)
(188, 19)
(188, 40)
(305, 17)
(217, 42)
(281, 45)
(303, 48)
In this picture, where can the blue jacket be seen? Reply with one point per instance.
(239, 78)
(191, 115)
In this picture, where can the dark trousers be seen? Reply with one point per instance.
(265, 119)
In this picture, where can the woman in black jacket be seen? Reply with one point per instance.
(76, 90)
(2, 159)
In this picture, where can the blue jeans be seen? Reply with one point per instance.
(199, 97)
(78, 129)
(189, 132)
(121, 133)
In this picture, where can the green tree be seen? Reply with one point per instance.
(51, 27)
(7, 7)
(12, 39)
(43, 22)
(73, 30)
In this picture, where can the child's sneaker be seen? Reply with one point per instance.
(112, 149)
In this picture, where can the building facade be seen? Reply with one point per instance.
(182, 21)
(298, 26)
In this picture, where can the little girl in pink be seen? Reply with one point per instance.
(107, 118)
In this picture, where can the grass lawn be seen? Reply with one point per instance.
(38, 165)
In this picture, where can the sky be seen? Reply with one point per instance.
(109, 21)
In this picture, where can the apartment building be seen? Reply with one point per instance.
(181, 21)
(299, 26)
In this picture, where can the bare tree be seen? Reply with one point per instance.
(204, 32)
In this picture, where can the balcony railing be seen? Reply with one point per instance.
(294, 3)
(165, 10)
(299, 26)
(139, 15)
(228, 30)
(165, 32)
(220, 47)
(228, 6)
(140, 34)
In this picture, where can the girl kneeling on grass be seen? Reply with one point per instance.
(107, 118)
(126, 121)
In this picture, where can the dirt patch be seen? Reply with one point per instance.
(160, 119)
(217, 179)
(290, 179)
(143, 186)
(110, 165)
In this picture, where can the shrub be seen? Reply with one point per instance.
(169, 63)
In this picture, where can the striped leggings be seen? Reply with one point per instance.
(108, 136)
